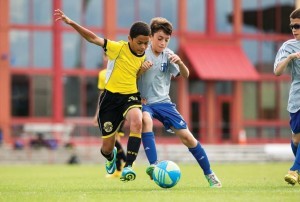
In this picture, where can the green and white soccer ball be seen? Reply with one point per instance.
(166, 174)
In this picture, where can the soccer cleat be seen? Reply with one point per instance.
(213, 180)
(292, 177)
(110, 166)
(127, 174)
(150, 170)
(116, 174)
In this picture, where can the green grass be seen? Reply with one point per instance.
(241, 182)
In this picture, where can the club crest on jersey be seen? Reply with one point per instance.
(163, 67)
(132, 98)
(108, 126)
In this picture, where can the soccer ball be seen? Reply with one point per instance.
(166, 174)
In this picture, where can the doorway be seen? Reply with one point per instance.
(197, 123)
(224, 118)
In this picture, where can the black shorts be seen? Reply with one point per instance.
(113, 108)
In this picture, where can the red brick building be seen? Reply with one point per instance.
(48, 73)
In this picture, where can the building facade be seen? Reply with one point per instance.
(48, 73)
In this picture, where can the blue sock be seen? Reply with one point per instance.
(148, 140)
(201, 157)
(294, 148)
(296, 165)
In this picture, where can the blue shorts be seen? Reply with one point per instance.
(295, 122)
(167, 114)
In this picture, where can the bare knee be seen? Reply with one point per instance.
(147, 123)
(296, 138)
(186, 138)
(136, 126)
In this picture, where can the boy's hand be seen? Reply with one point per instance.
(146, 65)
(61, 16)
(174, 58)
(295, 55)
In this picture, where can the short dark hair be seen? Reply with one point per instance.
(160, 23)
(139, 28)
(295, 14)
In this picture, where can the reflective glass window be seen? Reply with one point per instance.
(42, 96)
(72, 96)
(267, 16)
(93, 56)
(125, 13)
(42, 12)
(20, 95)
(224, 8)
(42, 49)
(196, 15)
(168, 10)
(92, 93)
(284, 95)
(72, 9)
(250, 106)
(19, 11)
(71, 50)
(223, 88)
(19, 48)
(147, 10)
(93, 10)
(251, 49)
(268, 56)
(268, 101)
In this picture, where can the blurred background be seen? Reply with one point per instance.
(48, 74)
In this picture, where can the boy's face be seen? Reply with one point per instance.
(139, 44)
(159, 41)
(295, 26)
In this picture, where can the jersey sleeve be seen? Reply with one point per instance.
(113, 48)
(282, 54)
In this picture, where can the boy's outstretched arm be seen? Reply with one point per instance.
(85, 33)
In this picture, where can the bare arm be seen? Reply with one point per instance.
(184, 71)
(281, 67)
(85, 33)
(144, 67)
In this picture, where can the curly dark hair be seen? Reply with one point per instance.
(139, 28)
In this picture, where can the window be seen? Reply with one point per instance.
(125, 13)
(23, 43)
(85, 12)
(19, 11)
(196, 15)
(42, 49)
(78, 53)
(224, 8)
(35, 12)
(267, 16)
(132, 10)
(250, 106)
(37, 105)
(42, 96)
(80, 96)
(19, 48)
(268, 101)
(20, 96)
(284, 95)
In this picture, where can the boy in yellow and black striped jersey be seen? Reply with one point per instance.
(120, 99)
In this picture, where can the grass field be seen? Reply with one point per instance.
(241, 182)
